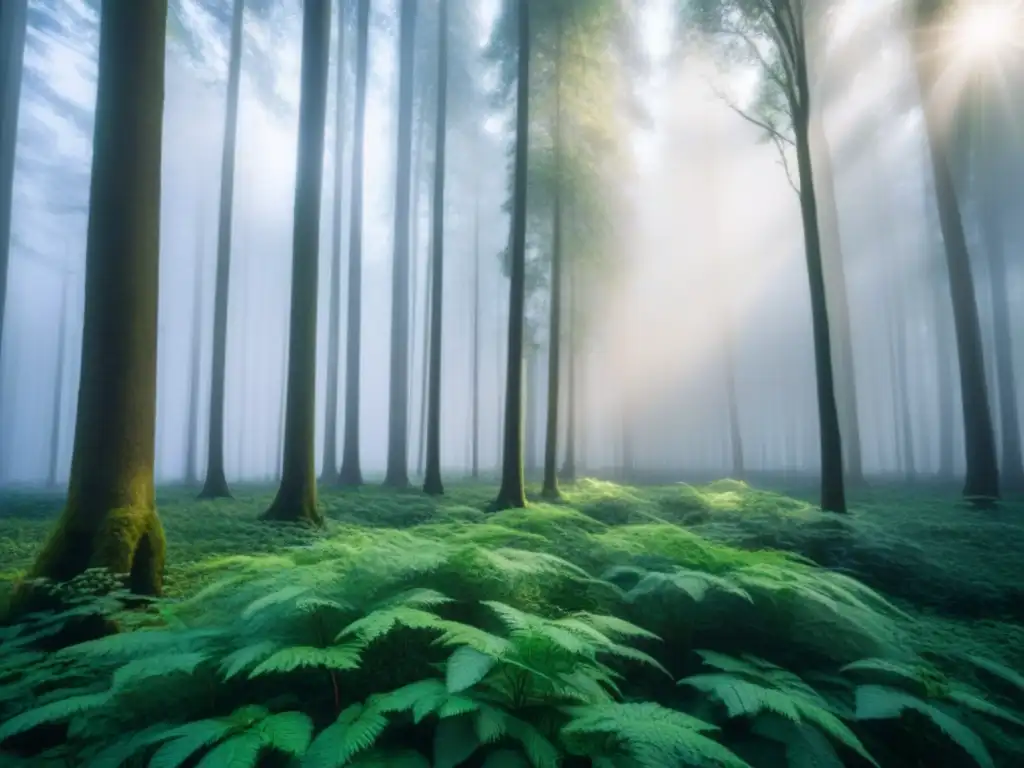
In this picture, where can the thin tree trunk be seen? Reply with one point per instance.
(572, 395)
(833, 492)
(13, 20)
(397, 472)
(110, 519)
(419, 197)
(58, 384)
(549, 488)
(329, 471)
(982, 477)
(941, 318)
(421, 435)
(474, 464)
(351, 473)
(281, 410)
(511, 492)
(296, 498)
(192, 438)
(432, 479)
(216, 485)
(901, 391)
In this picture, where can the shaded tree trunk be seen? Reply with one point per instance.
(982, 478)
(531, 377)
(351, 473)
(432, 479)
(13, 20)
(421, 435)
(110, 519)
(216, 484)
(296, 497)
(833, 491)
(192, 438)
(58, 384)
(511, 492)
(419, 200)
(474, 462)
(569, 462)
(941, 319)
(397, 472)
(329, 472)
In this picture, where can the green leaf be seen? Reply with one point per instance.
(466, 667)
(282, 595)
(288, 732)
(189, 739)
(338, 657)
(455, 741)
(140, 670)
(241, 751)
(356, 729)
(506, 758)
(239, 661)
(54, 712)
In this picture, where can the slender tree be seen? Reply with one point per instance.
(329, 472)
(511, 492)
(13, 21)
(568, 473)
(192, 426)
(474, 462)
(58, 382)
(982, 477)
(351, 472)
(110, 519)
(216, 484)
(432, 479)
(296, 497)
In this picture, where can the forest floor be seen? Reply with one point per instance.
(956, 569)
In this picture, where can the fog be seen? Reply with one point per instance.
(707, 273)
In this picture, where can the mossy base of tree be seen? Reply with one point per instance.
(396, 481)
(432, 485)
(128, 541)
(215, 487)
(287, 510)
(350, 477)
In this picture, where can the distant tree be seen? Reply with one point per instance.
(13, 15)
(110, 519)
(351, 473)
(58, 381)
(982, 477)
(773, 34)
(216, 484)
(474, 461)
(296, 497)
(432, 480)
(511, 492)
(329, 472)
(397, 472)
(195, 362)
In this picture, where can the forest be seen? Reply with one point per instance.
(511, 384)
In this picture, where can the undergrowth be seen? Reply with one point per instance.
(417, 632)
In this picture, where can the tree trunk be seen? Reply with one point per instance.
(837, 297)
(569, 462)
(192, 438)
(901, 389)
(833, 492)
(351, 474)
(549, 488)
(982, 478)
(216, 485)
(296, 497)
(432, 479)
(282, 408)
(13, 19)
(58, 384)
(944, 374)
(397, 473)
(329, 472)
(474, 463)
(419, 200)
(110, 519)
(511, 492)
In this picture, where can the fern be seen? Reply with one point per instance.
(339, 658)
(356, 730)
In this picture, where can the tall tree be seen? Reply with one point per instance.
(296, 497)
(192, 435)
(351, 472)
(110, 519)
(58, 382)
(329, 472)
(397, 473)
(13, 20)
(982, 477)
(786, 98)
(474, 461)
(216, 484)
(432, 478)
(511, 492)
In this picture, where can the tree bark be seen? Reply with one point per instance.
(474, 462)
(568, 473)
(110, 519)
(216, 484)
(511, 492)
(296, 498)
(329, 472)
(833, 492)
(428, 289)
(192, 436)
(982, 477)
(432, 480)
(351, 473)
(397, 471)
(58, 383)
(13, 20)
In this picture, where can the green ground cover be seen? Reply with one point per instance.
(655, 626)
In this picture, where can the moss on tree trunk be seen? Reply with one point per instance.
(296, 498)
(110, 520)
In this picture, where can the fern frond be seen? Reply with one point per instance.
(357, 729)
(282, 595)
(390, 759)
(743, 698)
(287, 732)
(977, 703)
(998, 670)
(139, 670)
(241, 751)
(55, 712)
(246, 657)
(417, 598)
(121, 751)
(379, 623)
(466, 667)
(455, 740)
(540, 751)
(337, 657)
(613, 627)
(184, 741)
